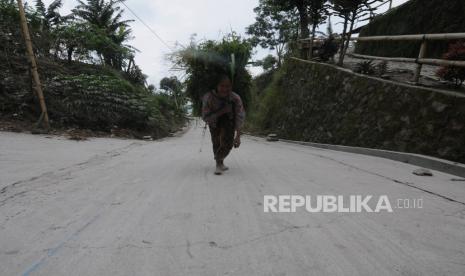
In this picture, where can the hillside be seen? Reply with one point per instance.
(88, 74)
(85, 96)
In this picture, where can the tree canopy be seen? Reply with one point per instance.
(273, 28)
(94, 32)
(105, 18)
(280, 21)
(351, 11)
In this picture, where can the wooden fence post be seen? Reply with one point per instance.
(32, 60)
(421, 55)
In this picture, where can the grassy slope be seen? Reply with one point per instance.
(86, 96)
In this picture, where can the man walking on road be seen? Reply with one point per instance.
(223, 111)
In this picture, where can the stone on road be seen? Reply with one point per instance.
(125, 207)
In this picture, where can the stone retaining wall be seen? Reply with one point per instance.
(325, 104)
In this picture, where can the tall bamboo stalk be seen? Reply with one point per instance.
(32, 60)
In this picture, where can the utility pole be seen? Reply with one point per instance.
(32, 60)
(390, 4)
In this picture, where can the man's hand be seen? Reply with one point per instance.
(237, 140)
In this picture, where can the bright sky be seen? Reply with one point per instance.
(176, 20)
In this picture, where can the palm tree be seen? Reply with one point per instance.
(106, 17)
(47, 20)
(50, 16)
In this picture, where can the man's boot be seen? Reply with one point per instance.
(222, 166)
(218, 170)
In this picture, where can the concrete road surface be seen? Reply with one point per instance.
(126, 207)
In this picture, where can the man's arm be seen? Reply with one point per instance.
(239, 112)
(239, 119)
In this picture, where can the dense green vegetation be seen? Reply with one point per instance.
(87, 67)
(273, 28)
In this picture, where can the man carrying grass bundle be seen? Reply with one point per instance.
(223, 111)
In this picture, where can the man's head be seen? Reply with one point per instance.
(223, 86)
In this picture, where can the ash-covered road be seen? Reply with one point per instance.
(125, 207)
